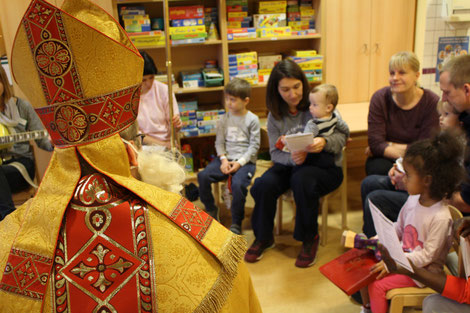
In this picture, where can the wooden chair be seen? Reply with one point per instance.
(324, 201)
(413, 296)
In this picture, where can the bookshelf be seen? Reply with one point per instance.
(221, 48)
(190, 57)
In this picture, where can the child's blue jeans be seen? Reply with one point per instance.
(241, 179)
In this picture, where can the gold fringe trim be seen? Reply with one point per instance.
(232, 253)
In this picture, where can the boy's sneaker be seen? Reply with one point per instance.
(308, 254)
(236, 229)
(214, 214)
(255, 253)
(365, 310)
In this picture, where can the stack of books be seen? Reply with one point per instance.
(188, 110)
(211, 20)
(244, 65)
(301, 17)
(135, 20)
(265, 66)
(187, 24)
(271, 19)
(207, 120)
(310, 62)
(238, 20)
(137, 25)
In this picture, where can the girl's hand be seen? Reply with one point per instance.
(298, 157)
(367, 152)
(379, 268)
(317, 145)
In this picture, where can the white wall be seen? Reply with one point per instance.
(434, 27)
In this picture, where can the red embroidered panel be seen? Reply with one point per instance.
(52, 55)
(101, 268)
(26, 274)
(191, 218)
(69, 118)
(104, 258)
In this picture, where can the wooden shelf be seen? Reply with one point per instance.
(144, 1)
(209, 42)
(199, 136)
(303, 37)
(197, 90)
(263, 85)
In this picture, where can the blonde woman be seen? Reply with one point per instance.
(399, 114)
(17, 116)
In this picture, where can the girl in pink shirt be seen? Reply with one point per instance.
(154, 109)
(434, 171)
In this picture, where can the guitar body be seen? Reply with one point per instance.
(4, 132)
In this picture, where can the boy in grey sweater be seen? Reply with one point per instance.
(237, 143)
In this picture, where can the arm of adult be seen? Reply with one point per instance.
(34, 123)
(254, 142)
(377, 128)
(376, 124)
(459, 199)
(436, 281)
(177, 123)
(333, 143)
(394, 150)
(274, 132)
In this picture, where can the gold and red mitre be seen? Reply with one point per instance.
(79, 70)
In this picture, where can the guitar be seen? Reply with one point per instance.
(7, 140)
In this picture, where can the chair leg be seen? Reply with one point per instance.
(396, 305)
(216, 193)
(278, 218)
(324, 220)
(344, 205)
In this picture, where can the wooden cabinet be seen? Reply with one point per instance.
(361, 36)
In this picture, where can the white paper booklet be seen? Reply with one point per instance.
(388, 237)
(465, 251)
(399, 163)
(300, 141)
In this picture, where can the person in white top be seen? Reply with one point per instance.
(154, 109)
(434, 171)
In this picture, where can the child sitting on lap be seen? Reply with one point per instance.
(323, 101)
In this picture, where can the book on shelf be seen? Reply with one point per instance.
(351, 270)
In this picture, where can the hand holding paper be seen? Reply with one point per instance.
(388, 237)
(298, 142)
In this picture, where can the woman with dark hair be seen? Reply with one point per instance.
(16, 116)
(154, 109)
(287, 99)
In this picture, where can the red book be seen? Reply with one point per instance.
(351, 270)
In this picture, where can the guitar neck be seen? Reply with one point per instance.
(22, 137)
